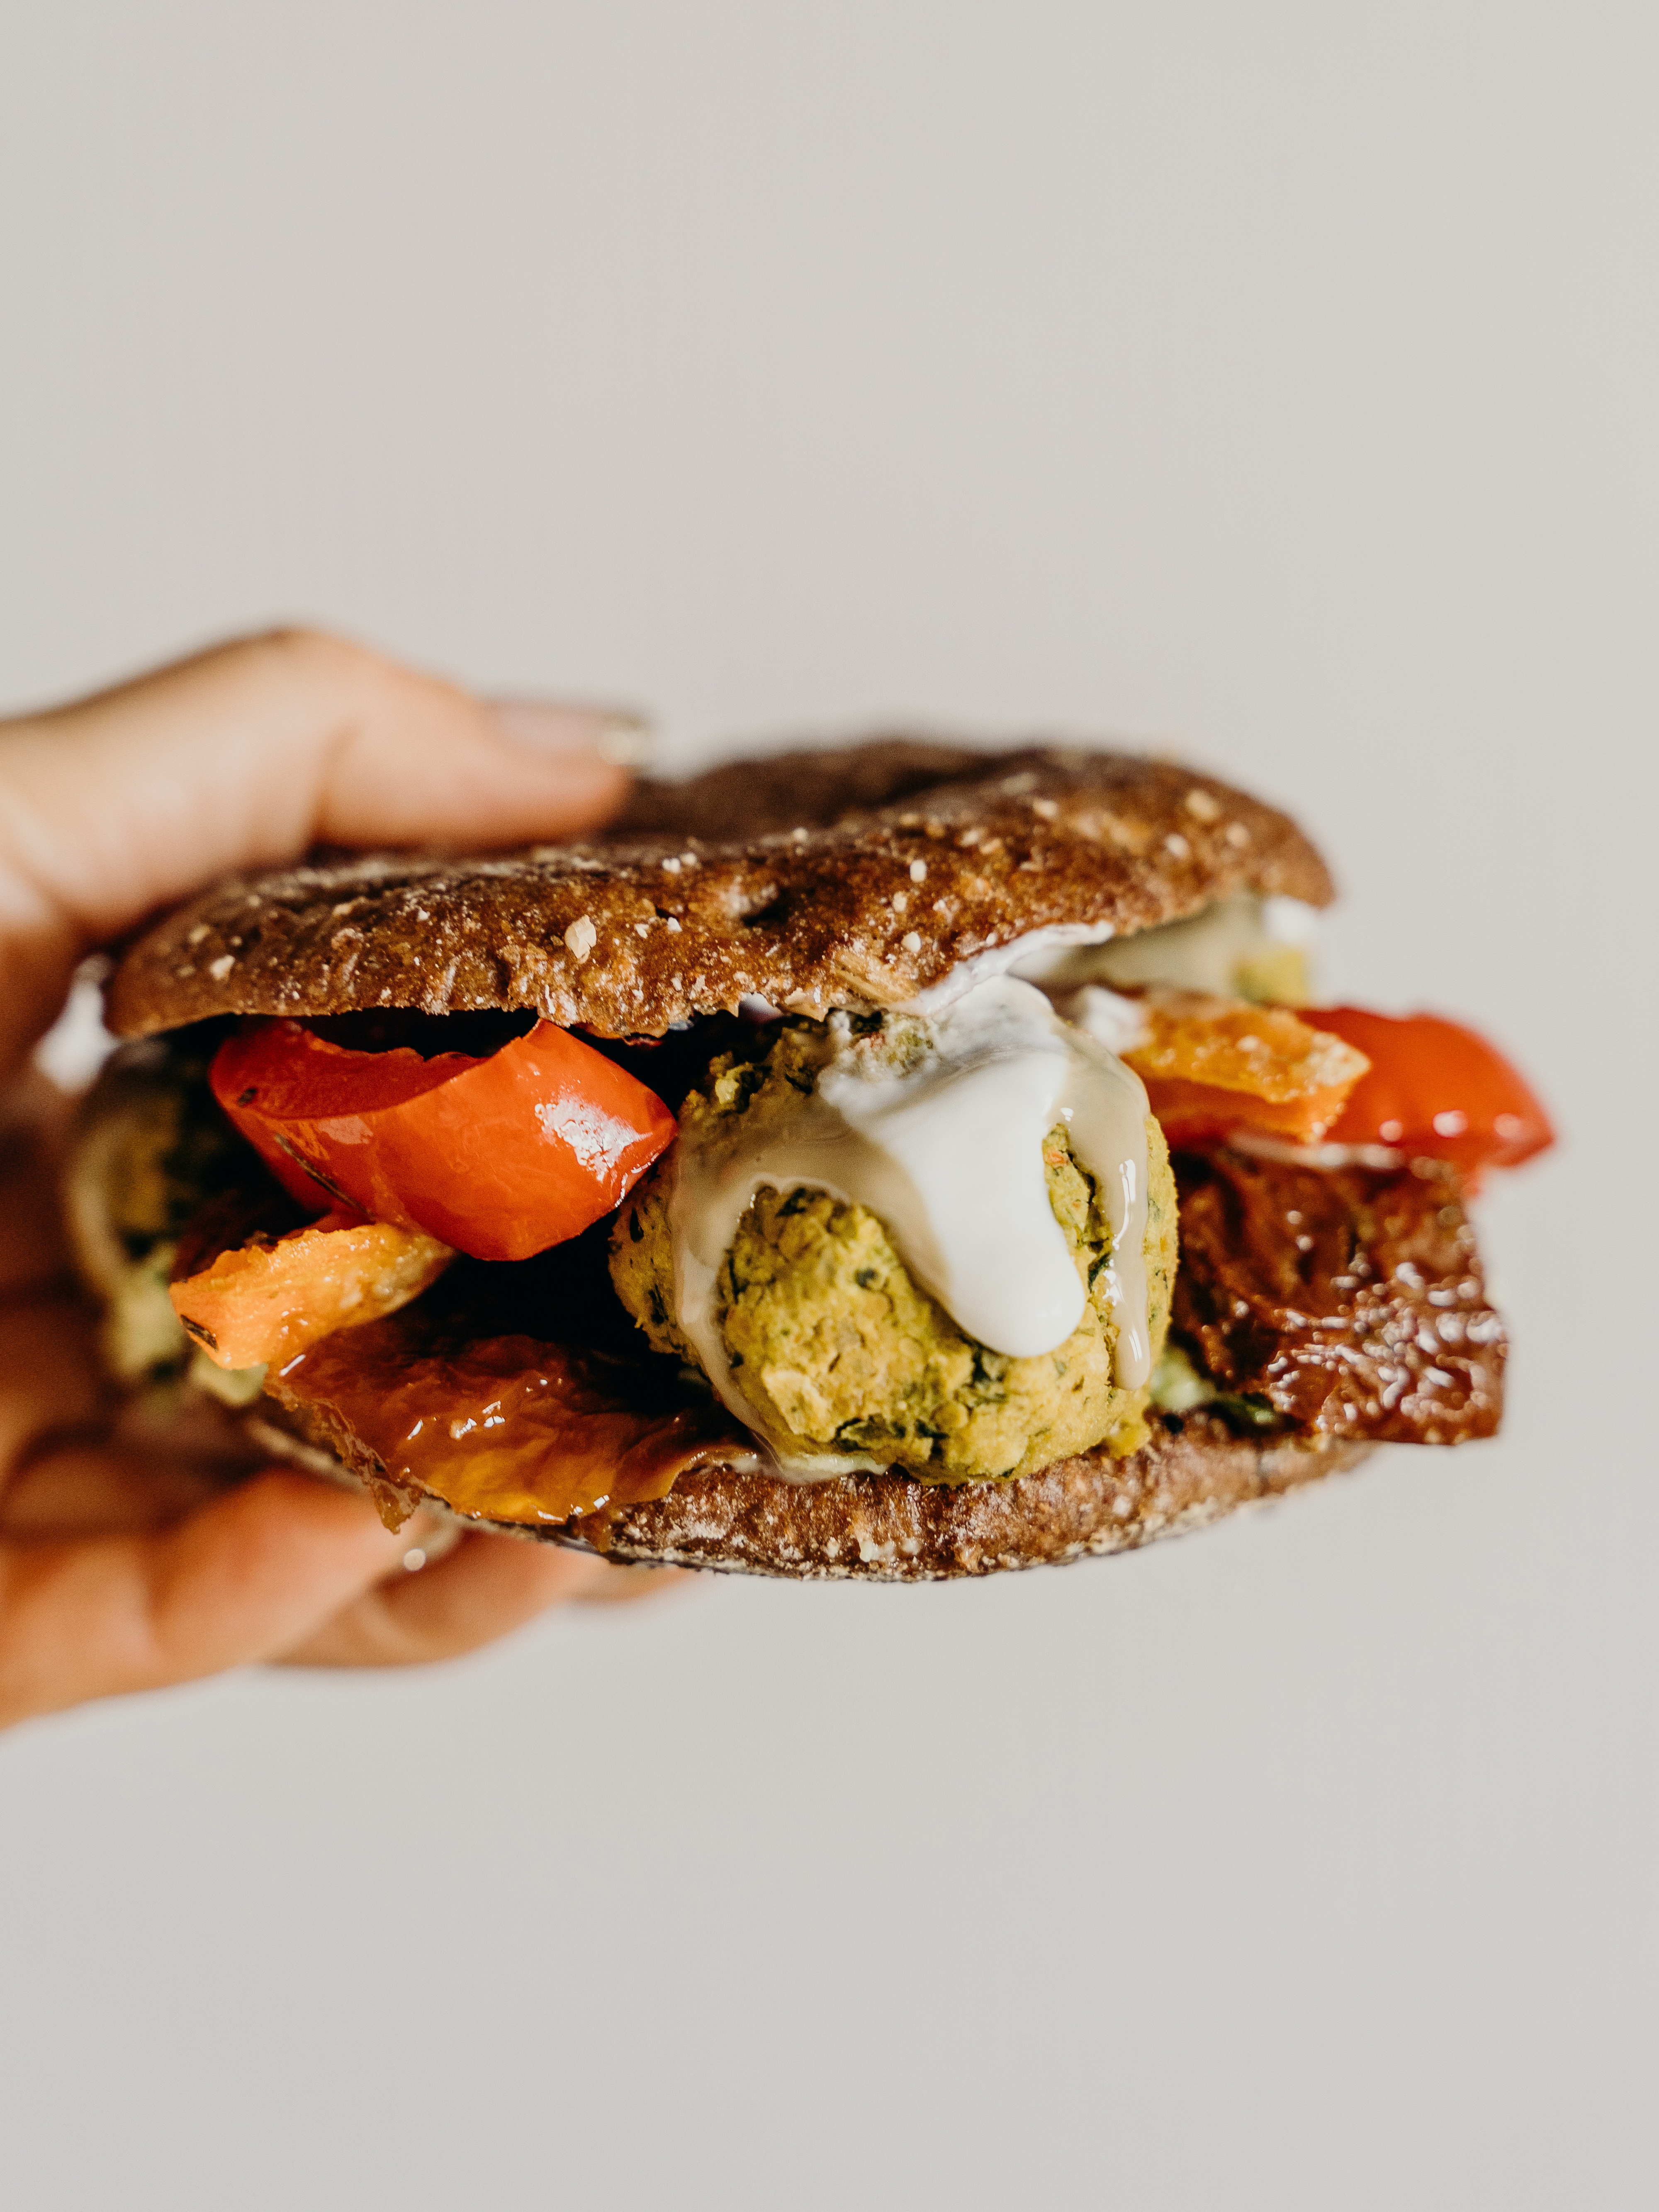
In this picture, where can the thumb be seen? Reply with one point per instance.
(244, 756)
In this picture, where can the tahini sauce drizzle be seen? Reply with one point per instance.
(949, 1155)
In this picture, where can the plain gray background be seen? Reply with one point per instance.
(1277, 382)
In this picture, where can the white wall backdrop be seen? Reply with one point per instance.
(1273, 382)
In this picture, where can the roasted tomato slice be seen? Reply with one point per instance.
(1434, 1088)
(500, 1157)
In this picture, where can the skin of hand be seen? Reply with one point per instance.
(131, 1558)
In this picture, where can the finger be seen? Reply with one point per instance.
(487, 1586)
(48, 1374)
(254, 1573)
(626, 1583)
(32, 1253)
(246, 756)
(83, 1487)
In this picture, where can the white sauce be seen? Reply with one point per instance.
(1202, 953)
(1037, 946)
(1291, 921)
(1110, 1019)
(948, 1154)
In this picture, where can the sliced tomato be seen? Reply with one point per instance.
(1434, 1088)
(499, 1156)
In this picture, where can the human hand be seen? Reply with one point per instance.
(131, 1557)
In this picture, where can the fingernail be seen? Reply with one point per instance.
(622, 739)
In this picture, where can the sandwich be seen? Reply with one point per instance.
(893, 1161)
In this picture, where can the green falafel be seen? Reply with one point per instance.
(838, 1349)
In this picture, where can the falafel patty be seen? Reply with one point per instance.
(837, 1348)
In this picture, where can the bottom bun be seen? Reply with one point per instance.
(891, 1528)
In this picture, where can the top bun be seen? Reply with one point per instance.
(856, 876)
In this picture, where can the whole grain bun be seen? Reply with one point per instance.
(891, 1528)
(856, 877)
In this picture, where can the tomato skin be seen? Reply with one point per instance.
(1434, 1088)
(499, 1156)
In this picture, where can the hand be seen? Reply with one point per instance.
(126, 1562)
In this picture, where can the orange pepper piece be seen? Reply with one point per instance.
(263, 1302)
(1214, 1065)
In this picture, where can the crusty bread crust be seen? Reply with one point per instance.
(852, 877)
(891, 1528)
(883, 1528)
